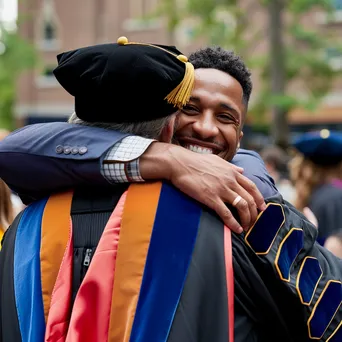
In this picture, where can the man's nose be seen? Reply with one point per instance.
(206, 126)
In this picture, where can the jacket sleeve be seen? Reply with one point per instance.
(255, 170)
(305, 276)
(38, 159)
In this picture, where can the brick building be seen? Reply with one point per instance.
(62, 25)
(56, 26)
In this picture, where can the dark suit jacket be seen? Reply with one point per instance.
(40, 159)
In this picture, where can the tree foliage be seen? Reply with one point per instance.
(16, 55)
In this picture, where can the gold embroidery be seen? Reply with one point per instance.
(279, 251)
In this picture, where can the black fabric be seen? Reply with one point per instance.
(133, 79)
(274, 315)
(326, 204)
(9, 324)
(202, 313)
(90, 212)
(264, 310)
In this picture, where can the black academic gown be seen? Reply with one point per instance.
(267, 308)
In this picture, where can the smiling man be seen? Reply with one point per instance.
(212, 120)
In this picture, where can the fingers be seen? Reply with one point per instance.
(238, 169)
(246, 208)
(227, 216)
(251, 189)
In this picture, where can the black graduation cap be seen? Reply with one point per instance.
(322, 148)
(125, 82)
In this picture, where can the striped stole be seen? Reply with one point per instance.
(134, 282)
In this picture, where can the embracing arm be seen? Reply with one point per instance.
(303, 278)
(39, 159)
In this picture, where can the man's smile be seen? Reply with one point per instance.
(199, 146)
(199, 149)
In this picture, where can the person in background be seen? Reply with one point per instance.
(316, 172)
(276, 161)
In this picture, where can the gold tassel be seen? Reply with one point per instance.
(181, 94)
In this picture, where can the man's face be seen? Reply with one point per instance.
(211, 122)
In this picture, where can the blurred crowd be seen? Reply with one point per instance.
(309, 176)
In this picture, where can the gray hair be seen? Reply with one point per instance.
(148, 129)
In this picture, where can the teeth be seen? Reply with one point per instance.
(199, 149)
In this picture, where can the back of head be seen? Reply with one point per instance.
(148, 129)
(226, 61)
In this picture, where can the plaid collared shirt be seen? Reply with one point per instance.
(121, 163)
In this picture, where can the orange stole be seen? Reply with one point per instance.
(136, 228)
(56, 230)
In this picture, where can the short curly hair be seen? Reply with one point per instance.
(226, 61)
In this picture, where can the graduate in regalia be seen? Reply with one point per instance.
(317, 175)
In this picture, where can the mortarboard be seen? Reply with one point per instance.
(125, 82)
(322, 148)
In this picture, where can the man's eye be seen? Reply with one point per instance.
(190, 110)
(228, 118)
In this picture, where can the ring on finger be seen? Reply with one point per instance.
(236, 201)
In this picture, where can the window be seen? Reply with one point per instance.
(138, 9)
(48, 28)
(141, 15)
(49, 31)
(47, 79)
(335, 17)
(334, 57)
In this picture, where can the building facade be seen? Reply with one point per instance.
(56, 26)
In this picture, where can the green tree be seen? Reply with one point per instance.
(294, 59)
(16, 55)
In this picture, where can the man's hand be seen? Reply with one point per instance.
(206, 178)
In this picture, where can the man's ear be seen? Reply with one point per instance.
(239, 139)
(167, 132)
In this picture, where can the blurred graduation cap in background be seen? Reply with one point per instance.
(322, 147)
